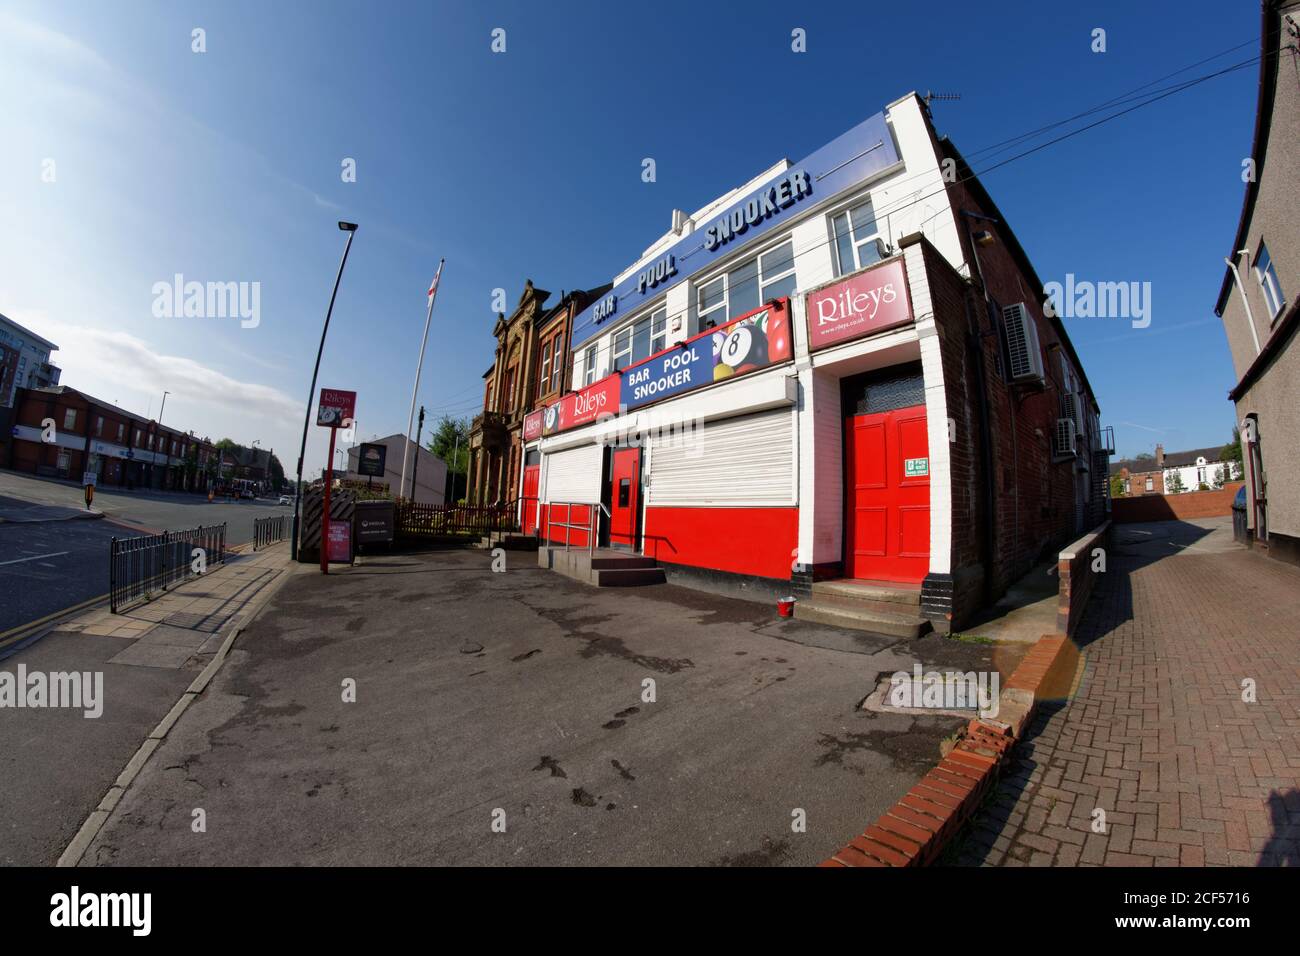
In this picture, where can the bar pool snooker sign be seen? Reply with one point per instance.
(752, 342)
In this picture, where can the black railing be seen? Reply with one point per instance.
(139, 567)
(267, 531)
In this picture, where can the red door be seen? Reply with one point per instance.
(625, 497)
(532, 474)
(887, 525)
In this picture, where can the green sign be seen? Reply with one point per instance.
(916, 467)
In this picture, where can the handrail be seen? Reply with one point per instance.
(568, 525)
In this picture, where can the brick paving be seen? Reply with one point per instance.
(1157, 734)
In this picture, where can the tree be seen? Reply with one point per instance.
(1232, 451)
(1144, 456)
(450, 440)
(1116, 486)
(1218, 477)
(1174, 483)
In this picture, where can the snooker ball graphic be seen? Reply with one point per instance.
(746, 345)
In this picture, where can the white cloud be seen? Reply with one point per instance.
(114, 357)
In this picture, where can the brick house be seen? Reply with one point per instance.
(61, 432)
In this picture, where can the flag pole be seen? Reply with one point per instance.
(406, 452)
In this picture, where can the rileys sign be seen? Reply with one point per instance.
(533, 425)
(599, 400)
(862, 304)
(336, 407)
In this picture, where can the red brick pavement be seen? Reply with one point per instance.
(1157, 734)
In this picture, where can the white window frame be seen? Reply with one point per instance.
(1269, 284)
(723, 275)
(856, 241)
(590, 364)
(544, 381)
(616, 353)
(69, 419)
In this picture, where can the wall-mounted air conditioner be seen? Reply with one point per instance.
(1065, 440)
(1022, 345)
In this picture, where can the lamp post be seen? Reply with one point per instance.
(162, 439)
(351, 229)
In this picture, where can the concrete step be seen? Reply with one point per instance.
(883, 591)
(895, 623)
(608, 562)
(627, 577)
(510, 541)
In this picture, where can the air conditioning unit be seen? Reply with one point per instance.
(1022, 344)
(1064, 439)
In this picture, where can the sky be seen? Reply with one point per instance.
(129, 158)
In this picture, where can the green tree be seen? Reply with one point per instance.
(1174, 483)
(1232, 451)
(1218, 477)
(450, 440)
(1116, 486)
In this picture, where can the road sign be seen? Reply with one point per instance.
(338, 543)
(336, 407)
(89, 478)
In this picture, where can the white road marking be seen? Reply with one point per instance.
(35, 557)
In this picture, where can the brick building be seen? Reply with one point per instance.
(532, 367)
(64, 433)
(819, 384)
(1259, 300)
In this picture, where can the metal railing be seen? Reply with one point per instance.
(138, 567)
(269, 531)
(594, 510)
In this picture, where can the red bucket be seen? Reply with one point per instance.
(785, 607)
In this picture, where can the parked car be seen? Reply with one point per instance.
(286, 499)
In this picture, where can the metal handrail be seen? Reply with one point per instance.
(567, 524)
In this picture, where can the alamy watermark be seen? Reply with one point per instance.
(57, 689)
(950, 690)
(208, 300)
(1084, 299)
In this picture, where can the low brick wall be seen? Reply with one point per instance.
(1190, 504)
(1076, 575)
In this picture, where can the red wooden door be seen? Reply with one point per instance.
(887, 525)
(532, 475)
(625, 496)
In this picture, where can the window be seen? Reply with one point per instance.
(121, 431)
(99, 426)
(69, 419)
(1266, 273)
(622, 349)
(557, 358)
(589, 369)
(747, 286)
(1151, 485)
(642, 339)
(544, 380)
(855, 238)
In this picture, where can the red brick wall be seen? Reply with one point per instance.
(1191, 504)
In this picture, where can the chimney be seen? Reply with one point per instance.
(1160, 457)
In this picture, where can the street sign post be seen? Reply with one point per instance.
(88, 480)
(336, 410)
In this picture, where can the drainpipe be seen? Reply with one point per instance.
(1236, 280)
(989, 544)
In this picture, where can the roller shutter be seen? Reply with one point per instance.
(573, 474)
(737, 462)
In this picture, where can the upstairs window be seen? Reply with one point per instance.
(589, 367)
(544, 380)
(1266, 273)
(856, 233)
(747, 286)
(642, 339)
(69, 419)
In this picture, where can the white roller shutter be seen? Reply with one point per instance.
(573, 475)
(736, 462)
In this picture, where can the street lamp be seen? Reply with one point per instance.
(351, 229)
(161, 438)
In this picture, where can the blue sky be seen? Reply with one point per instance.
(225, 166)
